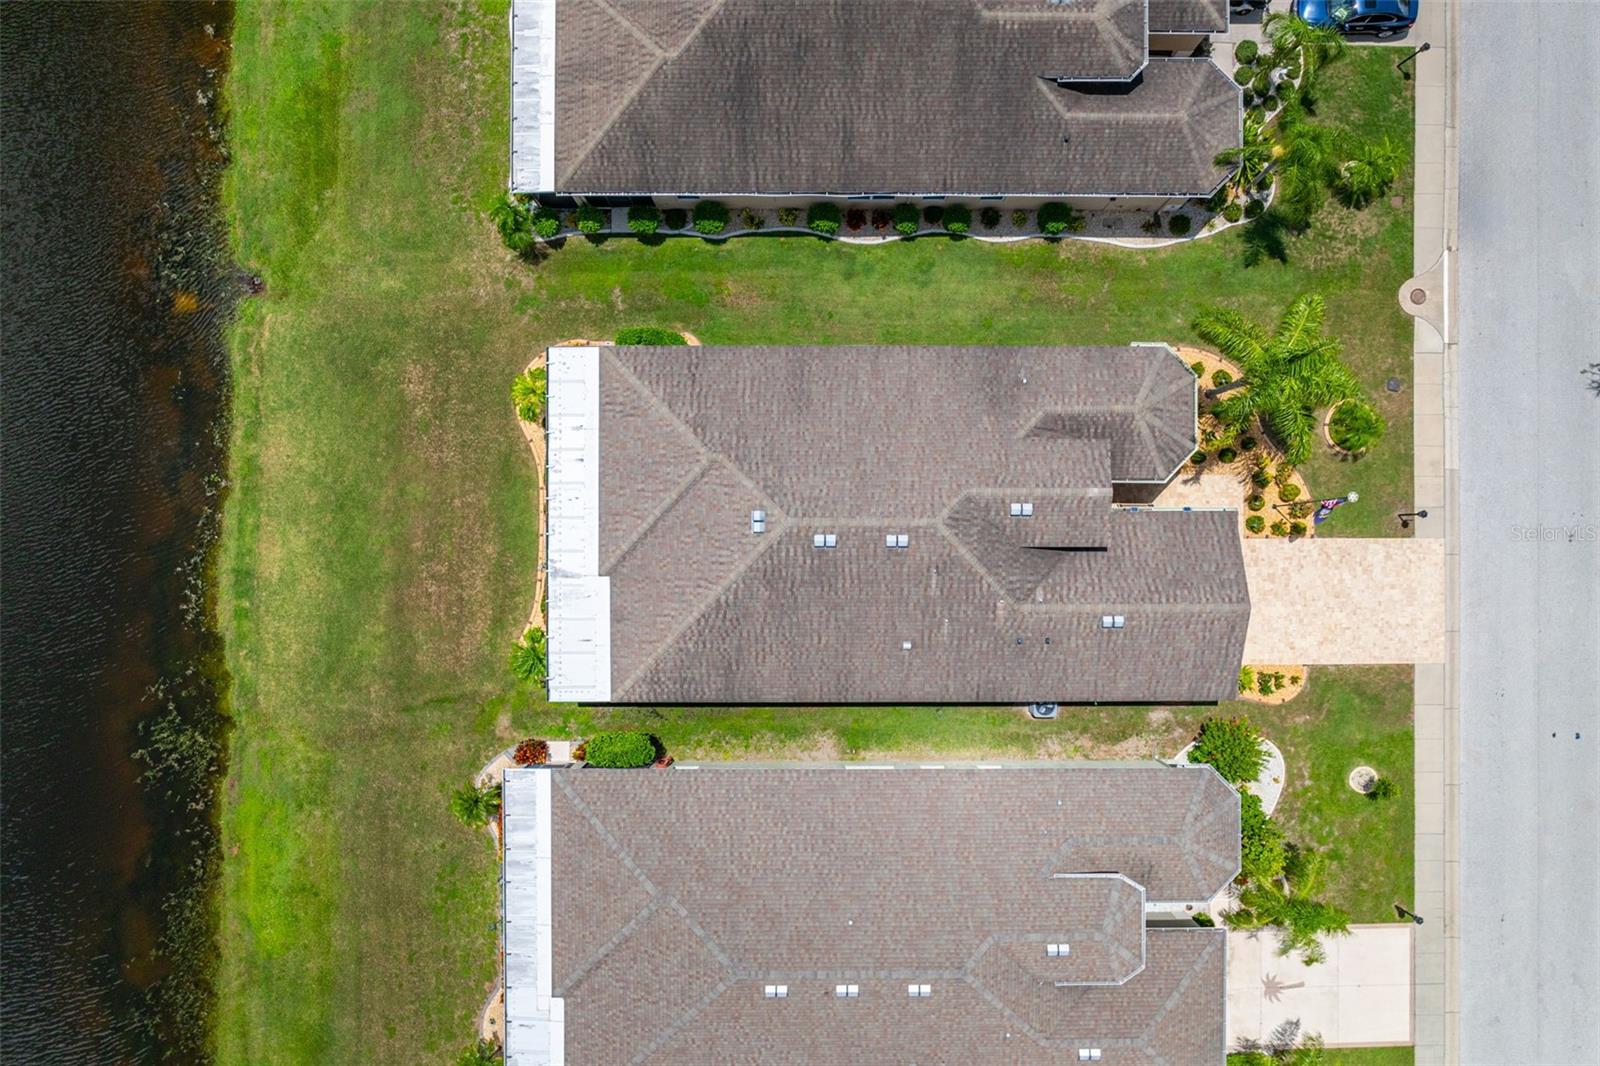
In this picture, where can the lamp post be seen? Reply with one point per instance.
(1407, 516)
(1401, 66)
(1402, 912)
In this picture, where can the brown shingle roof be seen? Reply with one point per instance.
(703, 611)
(1188, 16)
(678, 895)
(847, 96)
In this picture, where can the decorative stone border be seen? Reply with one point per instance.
(1361, 779)
(1327, 430)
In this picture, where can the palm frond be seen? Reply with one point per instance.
(1301, 323)
(1232, 334)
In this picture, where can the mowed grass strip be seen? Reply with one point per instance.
(379, 544)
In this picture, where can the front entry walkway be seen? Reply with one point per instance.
(1335, 600)
(1360, 996)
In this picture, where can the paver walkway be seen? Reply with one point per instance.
(1345, 600)
(1360, 996)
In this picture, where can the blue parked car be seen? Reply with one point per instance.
(1374, 18)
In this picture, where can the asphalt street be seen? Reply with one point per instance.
(1529, 449)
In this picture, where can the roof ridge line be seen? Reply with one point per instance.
(700, 470)
(637, 30)
(972, 561)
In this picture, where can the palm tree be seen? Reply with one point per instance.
(1288, 904)
(1293, 37)
(1252, 159)
(1287, 1045)
(514, 221)
(528, 392)
(1288, 376)
(474, 805)
(1371, 169)
(1309, 164)
(528, 656)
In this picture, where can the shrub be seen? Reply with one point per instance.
(482, 1053)
(1245, 52)
(1253, 209)
(958, 218)
(1152, 225)
(1266, 683)
(528, 393)
(1288, 492)
(1057, 218)
(1297, 528)
(824, 218)
(1220, 378)
(1244, 75)
(990, 217)
(1233, 748)
(473, 805)
(1198, 458)
(546, 224)
(750, 218)
(1280, 529)
(527, 656)
(1300, 509)
(933, 214)
(1355, 426)
(1255, 523)
(788, 216)
(881, 217)
(1246, 444)
(1285, 473)
(592, 219)
(512, 218)
(905, 219)
(651, 335)
(1227, 455)
(1233, 212)
(1260, 479)
(1247, 679)
(710, 217)
(531, 752)
(644, 219)
(1382, 789)
(1199, 368)
(1219, 199)
(619, 751)
(1261, 84)
(855, 218)
(1178, 225)
(675, 217)
(1202, 918)
(1256, 502)
(1019, 218)
(1262, 847)
(1269, 102)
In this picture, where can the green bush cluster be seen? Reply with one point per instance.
(1253, 209)
(474, 806)
(1198, 367)
(990, 217)
(1262, 846)
(529, 390)
(1233, 212)
(958, 218)
(1255, 523)
(1297, 529)
(1058, 218)
(1256, 502)
(1220, 378)
(1382, 789)
(1227, 455)
(1232, 746)
(710, 217)
(1178, 225)
(675, 217)
(824, 218)
(1246, 51)
(644, 219)
(906, 219)
(651, 335)
(1279, 528)
(1244, 75)
(788, 216)
(751, 219)
(528, 656)
(1019, 218)
(1356, 426)
(591, 219)
(619, 750)
(1288, 492)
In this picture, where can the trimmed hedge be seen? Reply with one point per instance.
(1233, 212)
(958, 218)
(1244, 75)
(710, 217)
(824, 218)
(1254, 208)
(1178, 225)
(644, 219)
(1245, 52)
(619, 751)
(652, 335)
(1255, 523)
(675, 217)
(906, 219)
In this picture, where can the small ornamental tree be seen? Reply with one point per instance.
(824, 218)
(651, 335)
(906, 219)
(529, 391)
(1246, 51)
(644, 219)
(528, 656)
(958, 218)
(1355, 426)
(1261, 841)
(710, 217)
(512, 218)
(619, 751)
(473, 805)
(1233, 748)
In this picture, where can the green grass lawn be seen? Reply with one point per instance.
(377, 559)
(1357, 1056)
